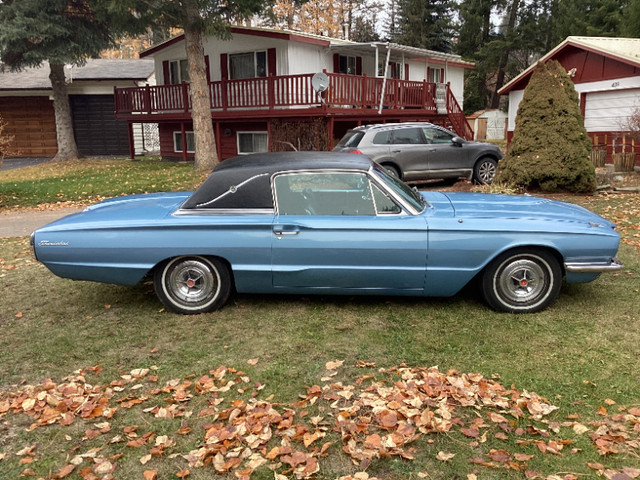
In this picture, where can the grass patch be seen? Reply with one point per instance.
(581, 355)
(90, 180)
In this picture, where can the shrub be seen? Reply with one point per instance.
(550, 147)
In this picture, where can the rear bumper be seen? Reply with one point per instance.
(593, 267)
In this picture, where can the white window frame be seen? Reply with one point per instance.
(177, 134)
(255, 63)
(251, 132)
(432, 74)
(176, 65)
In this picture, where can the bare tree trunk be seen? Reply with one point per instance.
(206, 157)
(67, 148)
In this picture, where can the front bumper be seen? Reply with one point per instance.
(593, 267)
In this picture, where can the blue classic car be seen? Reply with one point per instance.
(329, 223)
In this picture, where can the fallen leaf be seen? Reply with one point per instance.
(445, 457)
(150, 474)
(252, 361)
(333, 365)
(183, 473)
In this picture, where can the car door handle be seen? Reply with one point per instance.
(396, 151)
(285, 230)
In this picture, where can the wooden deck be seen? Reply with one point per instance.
(292, 96)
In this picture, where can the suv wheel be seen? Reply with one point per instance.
(485, 170)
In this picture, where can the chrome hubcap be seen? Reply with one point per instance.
(523, 281)
(192, 282)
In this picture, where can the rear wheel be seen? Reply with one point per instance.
(393, 171)
(485, 170)
(192, 285)
(522, 281)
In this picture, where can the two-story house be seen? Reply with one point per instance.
(264, 97)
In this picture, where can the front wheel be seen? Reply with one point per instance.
(522, 281)
(485, 171)
(192, 285)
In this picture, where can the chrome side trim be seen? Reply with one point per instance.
(593, 267)
(222, 211)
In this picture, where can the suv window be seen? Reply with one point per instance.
(408, 136)
(435, 135)
(351, 139)
(382, 138)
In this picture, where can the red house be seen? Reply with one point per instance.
(606, 74)
(263, 98)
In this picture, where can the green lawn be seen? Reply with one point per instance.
(91, 180)
(229, 387)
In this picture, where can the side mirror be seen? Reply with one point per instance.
(457, 141)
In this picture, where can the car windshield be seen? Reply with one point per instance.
(351, 139)
(410, 195)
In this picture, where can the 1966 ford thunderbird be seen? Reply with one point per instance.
(330, 223)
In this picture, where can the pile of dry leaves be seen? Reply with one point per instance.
(383, 414)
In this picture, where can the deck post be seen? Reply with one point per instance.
(223, 94)
(183, 132)
(185, 99)
(132, 147)
(147, 97)
(271, 91)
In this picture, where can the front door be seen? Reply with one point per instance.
(337, 232)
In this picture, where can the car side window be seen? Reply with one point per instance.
(323, 193)
(382, 138)
(435, 135)
(408, 136)
(384, 205)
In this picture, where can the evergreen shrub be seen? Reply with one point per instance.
(550, 150)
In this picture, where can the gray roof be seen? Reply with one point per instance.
(37, 78)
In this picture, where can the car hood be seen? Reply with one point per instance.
(483, 205)
(127, 210)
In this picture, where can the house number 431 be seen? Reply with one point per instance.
(615, 84)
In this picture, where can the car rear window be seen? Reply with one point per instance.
(351, 139)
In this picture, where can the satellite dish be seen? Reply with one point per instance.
(320, 82)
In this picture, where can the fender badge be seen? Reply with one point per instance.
(47, 243)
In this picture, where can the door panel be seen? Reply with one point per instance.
(349, 252)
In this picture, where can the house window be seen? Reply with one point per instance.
(347, 65)
(435, 75)
(248, 65)
(252, 142)
(178, 144)
(178, 72)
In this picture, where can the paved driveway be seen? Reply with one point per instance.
(11, 163)
(22, 222)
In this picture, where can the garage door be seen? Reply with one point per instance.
(96, 129)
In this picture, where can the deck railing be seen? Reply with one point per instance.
(280, 92)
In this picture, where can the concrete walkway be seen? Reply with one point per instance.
(22, 222)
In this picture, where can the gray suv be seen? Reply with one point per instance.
(421, 151)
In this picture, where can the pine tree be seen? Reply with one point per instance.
(59, 32)
(425, 24)
(550, 147)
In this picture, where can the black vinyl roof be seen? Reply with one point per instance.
(245, 181)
